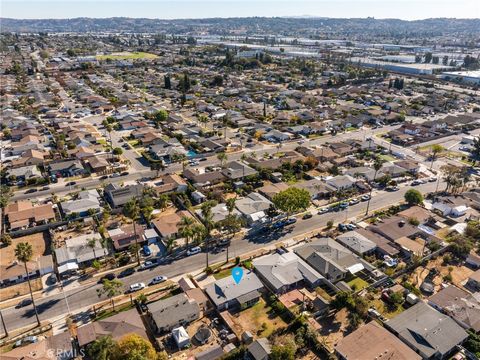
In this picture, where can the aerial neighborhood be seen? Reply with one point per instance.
(144, 163)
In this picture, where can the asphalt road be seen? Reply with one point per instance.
(52, 306)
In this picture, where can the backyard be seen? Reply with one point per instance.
(260, 320)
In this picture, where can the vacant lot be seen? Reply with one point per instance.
(259, 320)
(127, 56)
(40, 245)
(14, 291)
(333, 328)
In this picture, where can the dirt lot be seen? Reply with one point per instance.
(459, 273)
(333, 328)
(258, 319)
(13, 291)
(40, 245)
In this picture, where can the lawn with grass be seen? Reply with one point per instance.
(127, 56)
(357, 284)
(386, 157)
(222, 274)
(260, 319)
(385, 310)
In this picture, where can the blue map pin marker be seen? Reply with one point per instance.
(237, 274)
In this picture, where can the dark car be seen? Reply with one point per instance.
(203, 159)
(29, 191)
(71, 183)
(307, 216)
(23, 303)
(103, 177)
(290, 221)
(124, 173)
(126, 272)
(45, 188)
(110, 277)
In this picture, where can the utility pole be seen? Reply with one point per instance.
(3, 324)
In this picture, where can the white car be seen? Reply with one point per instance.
(158, 280)
(136, 287)
(194, 250)
(147, 265)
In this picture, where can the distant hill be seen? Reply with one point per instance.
(326, 27)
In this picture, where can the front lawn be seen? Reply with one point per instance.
(357, 284)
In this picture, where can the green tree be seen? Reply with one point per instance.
(5, 195)
(436, 150)
(377, 165)
(6, 239)
(185, 228)
(132, 211)
(223, 158)
(134, 347)
(110, 288)
(91, 243)
(117, 151)
(413, 197)
(102, 348)
(207, 217)
(292, 200)
(24, 254)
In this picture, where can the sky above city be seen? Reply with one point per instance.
(181, 9)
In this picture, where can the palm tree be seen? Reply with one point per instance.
(110, 288)
(377, 165)
(208, 222)
(24, 253)
(186, 228)
(132, 211)
(91, 243)
(223, 158)
(198, 233)
(170, 244)
(109, 129)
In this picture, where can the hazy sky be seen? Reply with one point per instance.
(174, 9)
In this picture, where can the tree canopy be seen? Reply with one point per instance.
(292, 200)
(413, 197)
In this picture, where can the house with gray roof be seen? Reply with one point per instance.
(331, 259)
(236, 170)
(342, 182)
(357, 243)
(86, 200)
(259, 350)
(283, 272)
(253, 207)
(430, 333)
(227, 294)
(118, 195)
(24, 173)
(77, 251)
(170, 313)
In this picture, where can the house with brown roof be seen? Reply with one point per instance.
(167, 224)
(372, 341)
(56, 347)
(116, 326)
(168, 183)
(23, 214)
(29, 157)
(124, 236)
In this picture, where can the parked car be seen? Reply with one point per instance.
(343, 205)
(194, 250)
(392, 188)
(103, 177)
(342, 227)
(351, 226)
(432, 179)
(125, 173)
(29, 191)
(25, 341)
(23, 303)
(353, 202)
(146, 251)
(365, 197)
(147, 265)
(114, 175)
(158, 280)
(110, 277)
(126, 272)
(45, 188)
(290, 221)
(307, 216)
(415, 182)
(323, 211)
(136, 287)
(71, 183)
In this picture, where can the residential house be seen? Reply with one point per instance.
(357, 243)
(117, 326)
(331, 260)
(373, 341)
(342, 182)
(260, 349)
(383, 245)
(226, 294)
(24, 214)
(29, 157)
(78, 251)
(318, 189)
(167, 225)
(428, 332)
(237, 170)
(473, 281)
(270, 190)
(253, 207)
(451, 206)
(24, 174)
(126, 235)
(168, 183)
(66, 168)
(118, 196)
(283, 272)
(460, 305)
(53, 347)
(172, 312)
(14, 273)
(86, 201)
